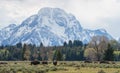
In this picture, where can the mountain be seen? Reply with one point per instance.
(51, 26)
(6, 32)
(118, 40)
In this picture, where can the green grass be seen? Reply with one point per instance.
(62, 67)
(117, 52)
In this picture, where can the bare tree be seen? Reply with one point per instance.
(99, 44)
(27, 52)
(50, 54)
(43, 53)
(35, 53)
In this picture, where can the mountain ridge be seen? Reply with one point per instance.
(51, 26)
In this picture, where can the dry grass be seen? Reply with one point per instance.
(62, 67)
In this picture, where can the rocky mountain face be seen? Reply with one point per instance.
(51, 26)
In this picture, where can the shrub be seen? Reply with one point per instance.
(40, 71)
(53, 69)
(70, 64)
(62, 68)
(101, 71)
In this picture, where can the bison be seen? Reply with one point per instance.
(35, 62)
(105, 62)
(87, 61)
(112, 62)
(55, 63)
(3, 63)
(44, 62)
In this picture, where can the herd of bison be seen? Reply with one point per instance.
(43, 62)
(55, 62)
(34, 62)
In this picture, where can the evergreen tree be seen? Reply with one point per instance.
(109, 55)
(70, 44)
(77, 43)
(19, 45)
(41, 44)
(23, 51)
(58, 55)
(65, 44)
(1, 47)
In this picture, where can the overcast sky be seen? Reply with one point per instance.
(92, 14)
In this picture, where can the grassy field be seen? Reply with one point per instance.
(62, 67)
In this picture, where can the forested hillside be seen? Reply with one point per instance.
(100, 48)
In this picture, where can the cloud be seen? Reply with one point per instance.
(92, 14)
(112, 25)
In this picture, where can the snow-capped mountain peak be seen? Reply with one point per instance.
(51, 26)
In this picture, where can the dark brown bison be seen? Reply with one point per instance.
(87, 61)
(3, 63)
(15, 63)
(44, 62)
(104, 62)
(55, 63)
(96, 62)
(107, 62)
(35, 62)
(112, 62)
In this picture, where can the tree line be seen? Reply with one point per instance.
(98, 49)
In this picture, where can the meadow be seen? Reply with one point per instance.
(62, 67)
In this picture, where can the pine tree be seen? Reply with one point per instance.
(109, 55)
(41, 44)
(65, 44)
(19, 45)
(58, 55)
(70, 44)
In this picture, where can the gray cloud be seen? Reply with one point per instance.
(92, 14)
(112, 24)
